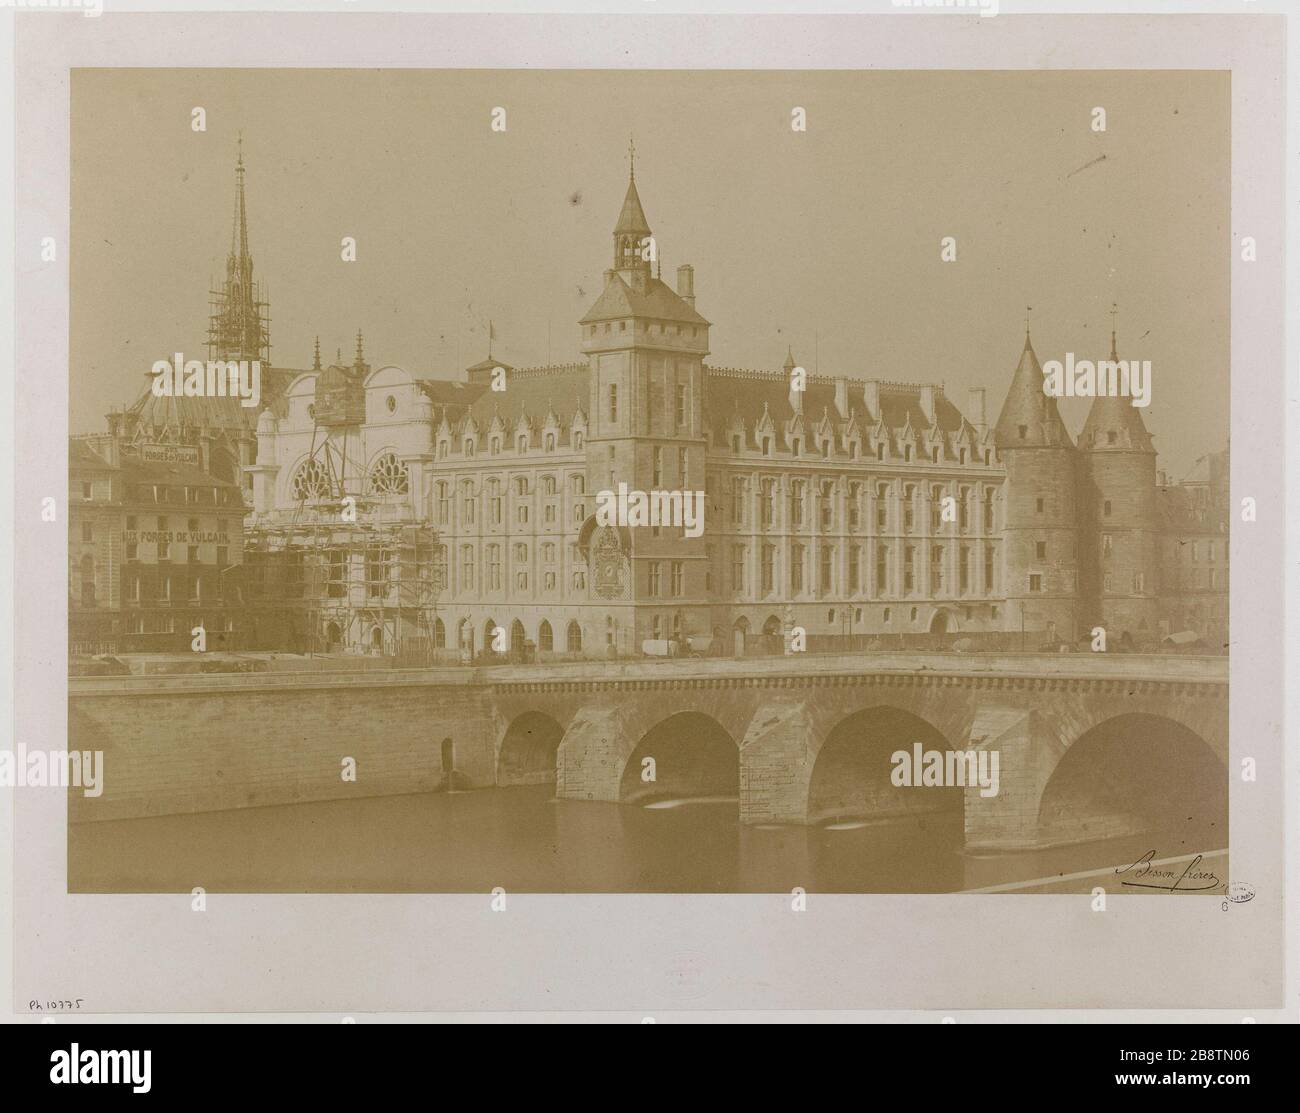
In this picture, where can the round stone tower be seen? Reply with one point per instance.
(1040, 570)
(1117, 492)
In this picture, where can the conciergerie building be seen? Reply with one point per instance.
(458, 513)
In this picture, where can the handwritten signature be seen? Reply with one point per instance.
(1189, 880)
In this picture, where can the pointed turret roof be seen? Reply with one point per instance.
(632, 218)
(1114, 424)
(1029, 417)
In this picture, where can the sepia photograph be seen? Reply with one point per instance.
(638, 486)
(647, 516)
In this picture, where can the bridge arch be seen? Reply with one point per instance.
(851, 775)
(694, 755)
(1138, 773)
(528, 750)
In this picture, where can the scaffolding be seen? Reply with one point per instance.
(346, 568)
(322, 585)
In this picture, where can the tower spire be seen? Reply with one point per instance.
(1114, 309)
(238, 326)
(361, 359)
(632, 232)
(315, 362)
(631, 158)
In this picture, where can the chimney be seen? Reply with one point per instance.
(977, 416)
(686, 284)
(842, 398)
(927, 403)
(871, 396)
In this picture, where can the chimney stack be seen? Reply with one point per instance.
(871, 396)
(977, 416)
(927, 403)
(842, 398)
(686, 284)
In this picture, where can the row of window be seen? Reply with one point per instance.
(937, 576)
(172, 623)
(313, 480)
(496, 443)
(828, 447)
(959, 512)
(516, 635)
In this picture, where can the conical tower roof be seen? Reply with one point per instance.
(632, 219)
(1114, 424)
(1029, 417)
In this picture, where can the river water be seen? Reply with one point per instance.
(524, 840)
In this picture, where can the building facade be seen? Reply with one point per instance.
(838, 511)
(154, 552)
(458, 514)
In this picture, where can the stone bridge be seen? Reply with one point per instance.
(1088, 746)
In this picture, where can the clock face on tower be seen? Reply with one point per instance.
(608, 563)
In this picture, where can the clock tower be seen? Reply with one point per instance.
(645, 345)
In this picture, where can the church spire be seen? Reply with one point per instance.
(315, 361)
(238, 325)
(360, 363)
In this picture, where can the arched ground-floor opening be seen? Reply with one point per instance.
(1137, 774)
(528, 750)
(694, 756)
(853, 775)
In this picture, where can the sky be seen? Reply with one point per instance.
(826, 241)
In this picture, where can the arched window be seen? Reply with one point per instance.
(389, 476)
(545, 639)
(439, 634)
(311, 481)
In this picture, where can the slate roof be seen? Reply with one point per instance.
(1028, 406)
(659, 302)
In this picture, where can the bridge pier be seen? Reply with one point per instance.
(595, 747)
(776, 763)
(1028, 748)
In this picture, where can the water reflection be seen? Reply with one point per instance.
(526, 841)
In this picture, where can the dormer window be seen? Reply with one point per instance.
(577, 440)
(494, 445)
(1024, 430)
(549, 442)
